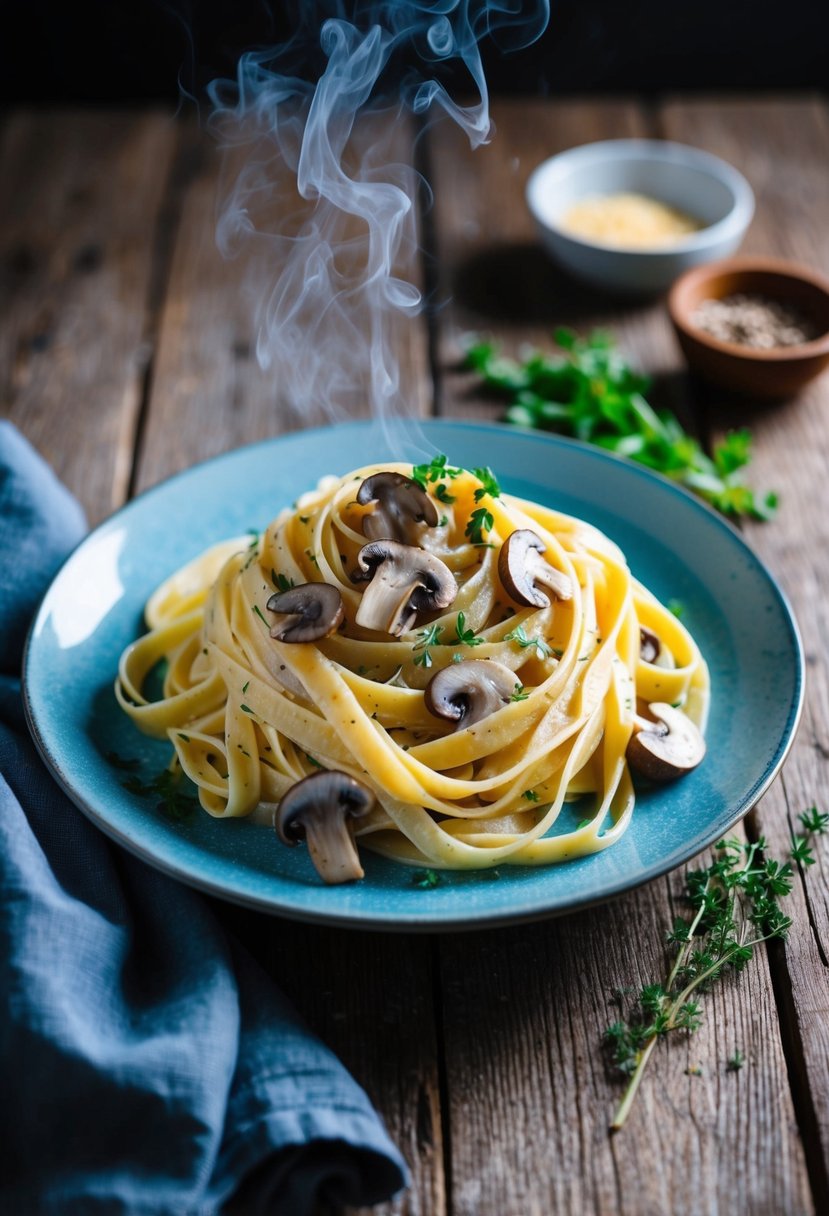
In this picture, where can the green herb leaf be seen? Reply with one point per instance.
(734, 907)
(542, 649)
(480, 521)
(518, 693)
(426, 880)
(281, 581)
(463, 635)
(591, 392)
(489, 483)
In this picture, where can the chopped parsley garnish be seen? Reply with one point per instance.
(480, 521)
(312, 760)
(677, 608)
(443, 494)
(435, 470)
(164, 786)
(530, 795)
(489, 483)
(258, 612)
(425, 880)
(246, 709)
(246, 686)
(518, 694)
(182, 735)
(281, 581)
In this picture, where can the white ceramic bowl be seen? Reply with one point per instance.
(696, 182)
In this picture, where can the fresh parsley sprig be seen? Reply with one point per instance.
(735, 907)
(591, 392)
(480, 521)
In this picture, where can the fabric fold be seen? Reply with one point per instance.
(149, 1064)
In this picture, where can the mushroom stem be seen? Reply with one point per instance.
(321, 810)
(333, 851)
(386, 599)
(404, 581)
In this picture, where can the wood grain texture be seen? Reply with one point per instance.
(80, 196)
(531, 1096)
(492, 275)
(783, 148)
(481, 1052)
(368, 996)
(524, 1010)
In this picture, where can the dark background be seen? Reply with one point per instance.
(105, 51)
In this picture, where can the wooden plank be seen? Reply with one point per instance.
(367, 995)
(783, 148)
(492, 268)
(209, 393)
(524, 1009)
(80, 199)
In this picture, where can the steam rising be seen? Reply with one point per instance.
(332, 238)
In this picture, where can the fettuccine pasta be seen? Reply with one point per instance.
(251, 715)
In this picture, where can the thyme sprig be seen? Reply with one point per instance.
(734, 908)
(428, 637)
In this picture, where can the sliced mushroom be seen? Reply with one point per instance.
(309, 612)
(524, 571)
(653, 650)
(321, 809)
(402, 505)
(649, 645)
(404, 581)
(666, 748)
(469, 691)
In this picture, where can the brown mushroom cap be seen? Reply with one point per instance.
(469, 691)
(405, 580)
(321, 809)
(309, 612)
(401, 506)
(523, 571)
(667, 748)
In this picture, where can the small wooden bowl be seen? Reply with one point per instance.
(779, 372)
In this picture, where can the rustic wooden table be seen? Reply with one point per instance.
(125, 355)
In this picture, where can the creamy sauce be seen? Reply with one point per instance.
(628, 220)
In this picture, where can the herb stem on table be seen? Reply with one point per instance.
(735, 909)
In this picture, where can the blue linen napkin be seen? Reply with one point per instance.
(149, 1066)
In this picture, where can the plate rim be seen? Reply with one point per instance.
(403, 922)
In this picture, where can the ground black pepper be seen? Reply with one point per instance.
(754, 320)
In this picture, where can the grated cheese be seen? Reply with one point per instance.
(628, 220)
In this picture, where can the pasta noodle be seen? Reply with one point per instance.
(250, 715)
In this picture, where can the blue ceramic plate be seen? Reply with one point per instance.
(674, 544)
